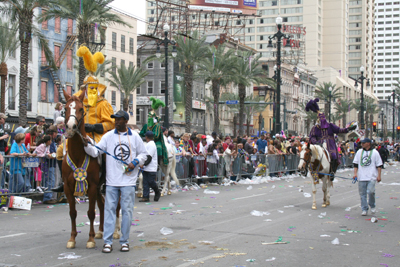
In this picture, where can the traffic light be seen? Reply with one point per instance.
(398, 129)
(374, 127)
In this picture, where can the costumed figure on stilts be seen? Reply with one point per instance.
(97, 109)
(323, 132)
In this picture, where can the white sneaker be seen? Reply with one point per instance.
(364, 213)
(373, 210)
(38, 189)
(32, 190)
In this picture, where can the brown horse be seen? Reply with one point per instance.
(75, 131)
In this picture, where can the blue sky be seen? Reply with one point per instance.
(134, 7)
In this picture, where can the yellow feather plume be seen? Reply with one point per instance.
(89, 59)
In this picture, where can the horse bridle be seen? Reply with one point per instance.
(78, 121)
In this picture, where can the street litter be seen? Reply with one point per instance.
(279, 241)
(335, 241)
(208, 191)
(22, 203)
(374, 220)
(268, 220)
(249, 188)
(166, 231)
(325, 236)
(280, 211)
(307, 195)
(271, 259)
(251, 260)
(141, 235)
(388, 255)
(259, 213)
(347, 209)
(68, 256)
(206, 242)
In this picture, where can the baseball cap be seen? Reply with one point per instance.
(121, 114)
(203, 137)
(213, 133)
(366, 140)
(149, 134)
(3, 116)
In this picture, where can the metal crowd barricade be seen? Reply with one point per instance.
(22, 175)
(276, 165)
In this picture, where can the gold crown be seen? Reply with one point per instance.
(90, 79)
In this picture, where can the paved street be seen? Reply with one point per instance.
(39, 236)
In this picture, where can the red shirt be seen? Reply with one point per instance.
(29, 140)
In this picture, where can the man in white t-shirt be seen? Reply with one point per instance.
(367, 169)
(126, 145)
(150, 169)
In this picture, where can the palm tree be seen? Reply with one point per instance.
(8, 44)
(247, 71)
(190, 54)
(86, 13)
(21, 13)
(343, 108)
(322, 91)
(370, 108)
(249, 110)
(127, 80)
(217, 69)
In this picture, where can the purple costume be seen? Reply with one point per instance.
(325, 132)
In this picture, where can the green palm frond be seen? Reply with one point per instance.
(127, 80)
(8, 39)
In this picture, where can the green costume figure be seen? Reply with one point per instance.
(155, 127)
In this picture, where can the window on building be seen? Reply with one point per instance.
(150, 87)
(11, 92)
(113, 98)
(30, 51)
(131, 46)
(69, 89)
(122, 62)
(57, 25)
(69, 60)
(121, 101)
(138, 90)
(138, 63)
(130, 64)
(43, 91)
(55, 94)
(70, 29)
(57, 55)
(44, 23)
(114, 41)
(123, 43)
(138, 115)
(162, 87)
(150, 65)
(114, 65)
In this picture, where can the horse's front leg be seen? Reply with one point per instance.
(166, 179)
(324, 189)
(140, 186)
(328, 194)
(92, 192)
(72, 211)
(100, 204)
(314, 193)
(117, 228)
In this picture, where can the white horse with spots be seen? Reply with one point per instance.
(316, 159)
(168, 170)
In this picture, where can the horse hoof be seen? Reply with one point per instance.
(169, 193)
(328, 203)
(90, 244)
(116, 236)
(323, 205)
(99, 235)
(162, 194)
(71, 244)
(140, 195)
(314, 207)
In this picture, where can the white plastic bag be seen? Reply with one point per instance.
(166, 231)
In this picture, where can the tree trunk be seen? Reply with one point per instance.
(125, 104)
(248, 127)
(242, 96)
(25, 32)
(188, 98)
(215, 92)
(234, 125)
(3, 75)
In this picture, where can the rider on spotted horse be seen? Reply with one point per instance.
(98, 111)
(323, 132)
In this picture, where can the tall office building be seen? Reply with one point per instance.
(387, 31)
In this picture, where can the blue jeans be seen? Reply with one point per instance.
(367, 188)
(149, 181)
(113, 193)
(18, 184)
(49, 183)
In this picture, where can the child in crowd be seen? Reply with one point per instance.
(212, 161)
(42, 150)
(17, 182)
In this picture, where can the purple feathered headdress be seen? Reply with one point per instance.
(312, 105)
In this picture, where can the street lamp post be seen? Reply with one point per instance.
(330, 102)
(278, 36)
(394, 94)
(381, 115)
(166, 42)
(361, 80)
